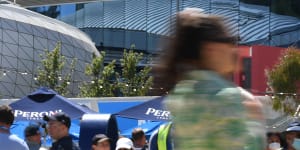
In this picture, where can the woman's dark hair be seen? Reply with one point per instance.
(270, 134)
(192, 30)
(137, 134)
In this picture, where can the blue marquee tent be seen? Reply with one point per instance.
(45, 101)
(153, 110)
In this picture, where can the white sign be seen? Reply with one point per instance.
(160, 114)
(34, 115)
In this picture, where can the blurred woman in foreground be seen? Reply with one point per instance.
(209, 111)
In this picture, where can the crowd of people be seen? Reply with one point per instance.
(59, 123)
(58, 129)
(137, 142)
(286, 140)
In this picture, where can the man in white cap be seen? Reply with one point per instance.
(124, 144)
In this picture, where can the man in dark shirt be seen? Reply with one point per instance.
(58, 128)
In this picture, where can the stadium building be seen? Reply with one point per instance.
(145, 24)
(115, 25)
(24, 36)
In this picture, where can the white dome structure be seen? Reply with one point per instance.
(24, 35)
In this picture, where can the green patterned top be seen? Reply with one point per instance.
(208, 114)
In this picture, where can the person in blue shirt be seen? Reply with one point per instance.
(7, 140)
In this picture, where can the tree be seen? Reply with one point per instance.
(134, 82)
(102, 78)
(52, 72)
(284, 79)
(106, 81)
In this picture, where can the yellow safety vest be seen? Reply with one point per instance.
(163, 132)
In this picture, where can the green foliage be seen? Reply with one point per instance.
(52, 73)
(105, 81)
(102, 83)
(134, 82)
(284, 79)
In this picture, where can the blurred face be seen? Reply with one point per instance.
(273, 139)
(104, 145)
(140, 142)
(220, 57)
(35, 138)
(56, 129)
(144, 140)
(290, 137)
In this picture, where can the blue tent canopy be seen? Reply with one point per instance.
(45, 101)
(153, 110)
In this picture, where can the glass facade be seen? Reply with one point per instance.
(121, 23)
(24, 36)
(117, 24)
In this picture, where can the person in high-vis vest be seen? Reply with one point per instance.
(161, 138)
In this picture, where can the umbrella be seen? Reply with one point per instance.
(153, 110)
(45, 101)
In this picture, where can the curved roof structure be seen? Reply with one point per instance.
(251, 22)
(19, 14)
(24, 37)
(34, 3)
